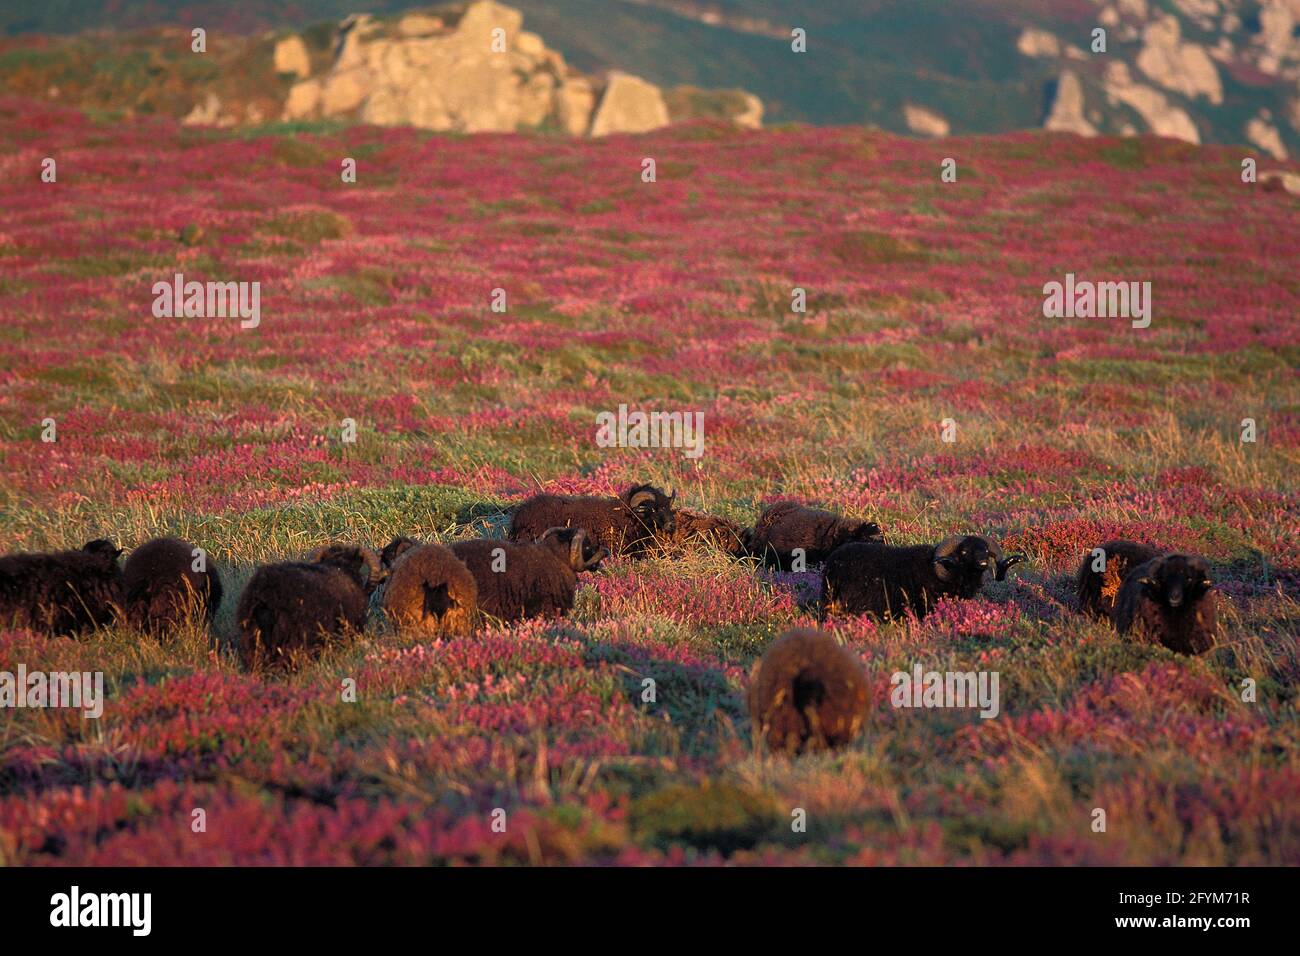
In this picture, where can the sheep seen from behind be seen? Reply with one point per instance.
(292, 610)
(430, 592)
(164, 592)
(807, 693)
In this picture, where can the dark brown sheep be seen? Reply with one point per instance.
(626, 525)
(695, 531)
(787, 527)
(1170, 599)
(807, 693)
(62, 592)
(1097, 590)
(163, 591)
(518, 581)
(886, 581)
(290, 611)
(430, 592)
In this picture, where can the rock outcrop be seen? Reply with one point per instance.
(630, 105)
(1066, 114)
(1160, 116)
(291, 57)
(1038, 43)
(1263, 134)
(1181, 67)
(925, 122)
(474, 69)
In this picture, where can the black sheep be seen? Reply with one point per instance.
(785, 527)
(163, 591)
(429, 591)
(886, 580)
(1097, 590)
(807, 693)
(62, 592)
(626, 525)
(293, 609)
(1170, 599)
(518, 581)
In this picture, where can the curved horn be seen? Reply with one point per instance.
(575, 549)
(548, 532)
(640, 497)
(1004, 564)
(372, 562)
(948, 545)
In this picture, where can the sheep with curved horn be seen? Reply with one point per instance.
(626, 525)
(886, 581)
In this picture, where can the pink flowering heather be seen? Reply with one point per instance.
(620, 735)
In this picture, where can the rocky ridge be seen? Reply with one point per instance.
(475, 69)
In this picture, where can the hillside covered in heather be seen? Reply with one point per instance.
(1213, 71)
(924, 304)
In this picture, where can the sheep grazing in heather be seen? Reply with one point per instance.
(1098, 590)
(886, 580)
(429, 591)
(1170, 599)
(518, 581)
(62, 592)
(163, 591)
(294, 609)
(787, 527)
(626, 525)
(807, 693)
(694, 531)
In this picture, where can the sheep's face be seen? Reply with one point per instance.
(962, 563)
(574, 548)
(652, 508)
(394, 550)
(1176, 581)
(104, 550)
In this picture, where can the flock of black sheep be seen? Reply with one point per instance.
(806, 692)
